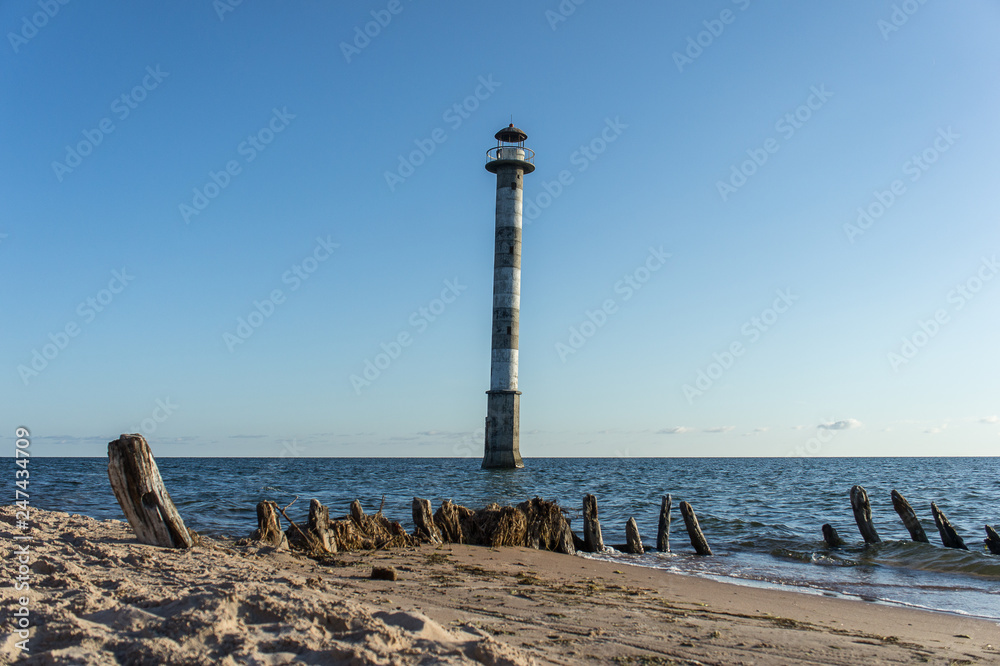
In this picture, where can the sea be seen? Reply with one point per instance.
(762, 516)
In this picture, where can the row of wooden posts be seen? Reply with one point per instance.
(862, 509)
(139, 489)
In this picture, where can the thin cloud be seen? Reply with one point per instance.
(849, 424)
(676, 430)
(936, 430)
(718, 429)
(990, 419)
(247, 436)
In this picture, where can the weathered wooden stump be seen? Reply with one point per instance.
(863, 515)
(357, 513)
(319, 526)
(831, 537)
(145, 502)
(592, 538)
(269, 525)
(449, 524)
(949, 537)
(423, 521)
(632, 539)
(566, 544)
(992, 540)
(909, 517)
(698, 540)
(663, 533)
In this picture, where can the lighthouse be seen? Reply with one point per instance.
(510, 161)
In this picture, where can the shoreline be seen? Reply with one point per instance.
(97, 595)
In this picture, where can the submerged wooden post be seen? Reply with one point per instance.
(694, 530)
(663, 533)
(592, 538)
(319, 525)
(269, 525)
(632, 538)
(992, 540)
(863, 515)
(909, 517)
(423, 520)
(831, 537)
(139, 489)
(949, 537)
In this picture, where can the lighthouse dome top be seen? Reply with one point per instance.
(510, 134)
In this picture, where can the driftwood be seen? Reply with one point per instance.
(424, 521)
(831, 537)
(992, 540)
(632, 539)
(949, 537)
(448, 520)
(592, 538)
(269, 525)
(144, 500)
(694, 530)
(319, 526)
(357, 513)
(663, 533)
(297, 537)
(909, 517)
(863, 515)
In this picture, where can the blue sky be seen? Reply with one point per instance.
(178, 166)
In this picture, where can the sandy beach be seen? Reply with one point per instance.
(99, 597)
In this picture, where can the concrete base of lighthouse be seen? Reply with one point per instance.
(503, 438)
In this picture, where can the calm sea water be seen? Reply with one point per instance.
(762, 516)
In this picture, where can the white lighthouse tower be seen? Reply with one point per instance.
(510, 161)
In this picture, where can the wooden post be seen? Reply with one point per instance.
(139, 489)
(357, 513)
(423, 521)
(992, 540)
(863, 515)
(269, 525)
(566, 540)
(319, 525)
(949, 537)
(831, 537)
(592, 538)
(909, 517)
(663, 533)
(694, 530)
(632, 538)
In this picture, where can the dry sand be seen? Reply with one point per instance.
(99, 597)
